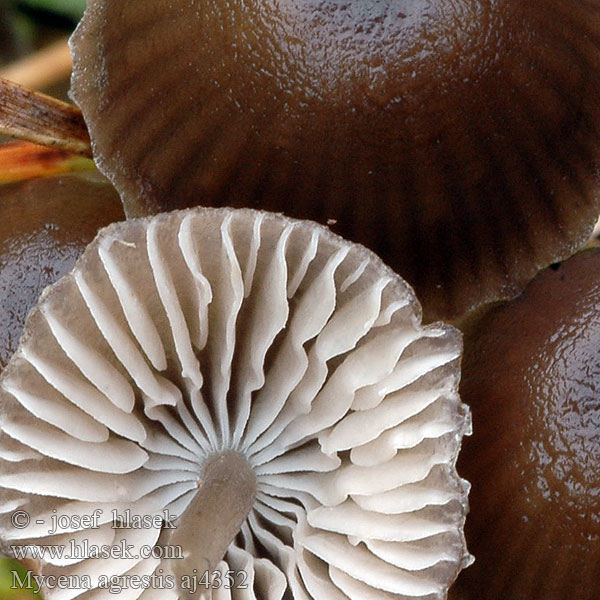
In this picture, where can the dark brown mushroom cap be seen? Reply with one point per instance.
(532, 377)
(456, 139)
(45, 226)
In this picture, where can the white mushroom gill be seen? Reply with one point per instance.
(263, 380)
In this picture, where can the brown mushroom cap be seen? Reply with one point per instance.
(531, 374)
(456, 139)
(45, 226)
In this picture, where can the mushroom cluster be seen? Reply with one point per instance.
(264, 391)
(264, 381)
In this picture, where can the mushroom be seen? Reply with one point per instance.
(458, 140)
(261, 385)
(531, 374)
(46, 224)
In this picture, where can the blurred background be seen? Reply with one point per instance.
(33, 36)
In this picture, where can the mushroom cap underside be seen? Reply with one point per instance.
(183, 336)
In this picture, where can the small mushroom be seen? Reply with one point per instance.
(458, 140)
(46, 224)
(262, 380)
(531, 375)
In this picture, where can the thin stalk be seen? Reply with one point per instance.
(214, 517)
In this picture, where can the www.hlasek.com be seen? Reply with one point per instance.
(83, 550)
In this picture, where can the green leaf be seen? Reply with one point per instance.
(72, 9)
(11, 573)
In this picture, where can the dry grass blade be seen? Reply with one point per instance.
(38, 118)
(45, 67)
(24, 160)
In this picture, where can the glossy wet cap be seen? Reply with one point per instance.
(45, 225)
(532, 377)
(459, 140)
(192, 344)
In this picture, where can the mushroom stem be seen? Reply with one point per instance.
(215, 516)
